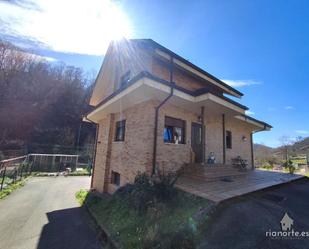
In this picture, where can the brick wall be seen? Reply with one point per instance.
(135, 153)
(170, 157)
(214, 136)
(239, 146)
(101, 154)
(130, 156)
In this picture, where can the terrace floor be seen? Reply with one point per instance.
(221, 190)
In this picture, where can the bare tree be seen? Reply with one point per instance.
(39, 102)
(286, 143)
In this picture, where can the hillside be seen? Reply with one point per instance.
(264, 153)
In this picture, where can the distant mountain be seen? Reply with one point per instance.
(263, 151)
(297, 148)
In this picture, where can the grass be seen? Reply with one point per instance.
(175, 224)
(10, 188)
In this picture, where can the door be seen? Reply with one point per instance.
(196, 141)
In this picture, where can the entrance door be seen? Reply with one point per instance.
(196, 141)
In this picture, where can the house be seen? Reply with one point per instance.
(156, 110)
(286, 223)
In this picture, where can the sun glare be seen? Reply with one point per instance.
(74, 26)
(119, 25)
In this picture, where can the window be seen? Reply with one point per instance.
(125, 79)
(115, 178)
(228, 139)
(174, 131)
(120, 130)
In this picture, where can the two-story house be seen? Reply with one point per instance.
(154, 109)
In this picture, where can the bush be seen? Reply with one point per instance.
(81, 196)
(267, 166)
(164, 186)
(289, 165)
(146, 191)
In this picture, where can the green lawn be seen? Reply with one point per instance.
(174, 224)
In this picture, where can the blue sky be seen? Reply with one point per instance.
(261, 47)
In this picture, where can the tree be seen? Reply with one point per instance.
(286, 143)
(40, 102)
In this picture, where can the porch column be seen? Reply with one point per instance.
(252, 151)
(203, 135)
(223, 135)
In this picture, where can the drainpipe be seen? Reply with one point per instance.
(154, 157)
(95, 148)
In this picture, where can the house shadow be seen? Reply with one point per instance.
(68, 229)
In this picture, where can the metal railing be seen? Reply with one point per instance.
(12, 170)
(15, 169)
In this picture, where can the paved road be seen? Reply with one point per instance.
(242, 223)
(45, 215)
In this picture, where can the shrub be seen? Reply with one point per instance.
(289, 165)
(146, 190)
(267, 166)
(81, 196)
(164, 186)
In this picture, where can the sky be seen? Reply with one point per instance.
(259, 47)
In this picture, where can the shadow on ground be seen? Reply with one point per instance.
(242, 223)
(68, 229)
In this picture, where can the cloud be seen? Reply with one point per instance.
(288, 107)
(303, 132)
(71, 26)
(241, 83)
(250, 113)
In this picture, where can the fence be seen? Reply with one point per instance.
(14, 169)
(53, 162)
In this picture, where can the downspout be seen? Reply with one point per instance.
(95, 148)
(154, 157)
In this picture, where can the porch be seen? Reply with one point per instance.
(221, 183)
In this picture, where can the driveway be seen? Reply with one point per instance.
(243, 222)
(45, 214)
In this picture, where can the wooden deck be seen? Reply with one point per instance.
(222, 187)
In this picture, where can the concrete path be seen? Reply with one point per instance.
(45, 214)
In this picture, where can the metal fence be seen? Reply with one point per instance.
(15, 169)
(12, 170)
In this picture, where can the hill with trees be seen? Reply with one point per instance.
(41, 102)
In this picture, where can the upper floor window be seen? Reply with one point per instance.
(174, 131)
(120, 130)
(125, 79)
(228, 139)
